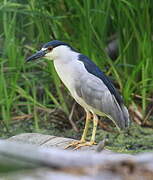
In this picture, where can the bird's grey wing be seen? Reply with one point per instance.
(96, 94)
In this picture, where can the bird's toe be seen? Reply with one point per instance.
(84, 144)
(74, 143)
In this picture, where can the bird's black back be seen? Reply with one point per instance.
(93, 69)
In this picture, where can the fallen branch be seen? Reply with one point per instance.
(71, 164)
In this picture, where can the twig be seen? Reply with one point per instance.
(140, 97)
(71, 120)
(22, 117)
(105, 127)
(147, 116)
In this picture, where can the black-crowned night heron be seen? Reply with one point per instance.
(88, 85)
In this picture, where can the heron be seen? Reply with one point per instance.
(88, 85)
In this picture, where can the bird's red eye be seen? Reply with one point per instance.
(50, 48)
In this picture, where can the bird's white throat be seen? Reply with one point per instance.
(62, 53)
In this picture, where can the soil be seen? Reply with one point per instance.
(133, 140)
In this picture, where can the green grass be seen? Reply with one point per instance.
(87, 25)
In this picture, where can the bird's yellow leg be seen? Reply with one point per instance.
(85, 131)
(92, 140)
(83, 138)
(95, 123)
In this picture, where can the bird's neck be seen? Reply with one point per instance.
(66, 69)
(65, 64)
(66, 57)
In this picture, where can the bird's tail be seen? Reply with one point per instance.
(120, 115)
(126, 120)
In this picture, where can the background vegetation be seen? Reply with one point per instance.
(32, 94)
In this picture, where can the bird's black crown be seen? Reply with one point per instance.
(56, 43)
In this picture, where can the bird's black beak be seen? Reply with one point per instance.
(37, 55)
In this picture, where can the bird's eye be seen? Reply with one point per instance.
(50, 48)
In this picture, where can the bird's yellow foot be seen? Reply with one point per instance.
(74, 143)
(84, 144)
(78, 144)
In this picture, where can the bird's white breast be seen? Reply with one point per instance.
(66, 73)
(71, 73)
